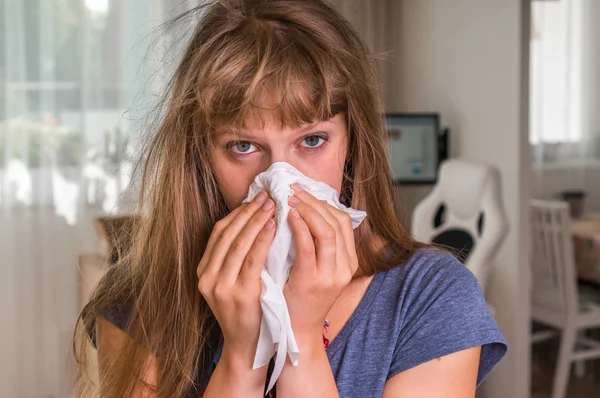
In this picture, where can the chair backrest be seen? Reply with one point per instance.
(465, 212)
(552, 258)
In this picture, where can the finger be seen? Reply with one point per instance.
(342, 223)
(216, 233)
(240, 246)
(257, 255)
(227, 231)
(333, 216)
(345, 222)
(324, 234)
(305, 244)
(306, 197)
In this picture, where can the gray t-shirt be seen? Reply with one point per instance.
(429, 307)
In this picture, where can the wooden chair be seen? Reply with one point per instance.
(556, 300)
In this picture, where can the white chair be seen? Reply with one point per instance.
(464, 212)
(556, 300)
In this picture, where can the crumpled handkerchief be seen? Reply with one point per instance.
(276, 335)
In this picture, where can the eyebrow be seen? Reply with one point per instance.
(246, 133)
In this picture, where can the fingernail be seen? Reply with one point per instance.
(261, 196)
(295, 213)
(294, 200)
(297, 187)
(270, 224)
(268, 205)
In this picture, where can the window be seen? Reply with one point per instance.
(556, 72)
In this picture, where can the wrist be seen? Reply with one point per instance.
(240, 367)
(311, 342)
(236, 360)
(313, 375)
(234, 376)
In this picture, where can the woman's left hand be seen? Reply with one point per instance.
(325, 263)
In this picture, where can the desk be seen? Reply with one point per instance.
(586, 244)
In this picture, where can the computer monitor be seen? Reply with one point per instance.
(414, 144)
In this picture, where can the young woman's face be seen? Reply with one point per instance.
(317, 150)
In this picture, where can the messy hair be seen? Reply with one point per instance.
(297, 60)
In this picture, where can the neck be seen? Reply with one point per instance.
(346, 304)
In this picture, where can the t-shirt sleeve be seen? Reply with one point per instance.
(118, 312)
(444, 311)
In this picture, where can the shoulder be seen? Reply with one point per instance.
(432, 285)
(107, 304)
(426, 260)
(428, 288)
(428, 273)
(438, 309)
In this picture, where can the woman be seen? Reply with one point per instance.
(263, 81)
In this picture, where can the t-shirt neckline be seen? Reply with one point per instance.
(358, 313)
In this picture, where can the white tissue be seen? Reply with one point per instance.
(276, 335)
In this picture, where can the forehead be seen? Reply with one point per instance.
(259, 126)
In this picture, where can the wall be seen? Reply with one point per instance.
(467, 60)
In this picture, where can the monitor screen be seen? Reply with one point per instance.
(413, 143)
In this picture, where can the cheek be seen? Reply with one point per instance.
(329, 168)
(332, 176)
(233, 180)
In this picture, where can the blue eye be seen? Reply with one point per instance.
(242, 147)
(314, 141)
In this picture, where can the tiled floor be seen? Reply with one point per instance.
(544, 356)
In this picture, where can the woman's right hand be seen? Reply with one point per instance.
(229, 274)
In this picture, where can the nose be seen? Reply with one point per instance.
(278, 155)
(282, 155)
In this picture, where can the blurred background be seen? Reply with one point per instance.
(492, 109)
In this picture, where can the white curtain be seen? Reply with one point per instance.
(371, 18)
(565, 98)
(75, 81)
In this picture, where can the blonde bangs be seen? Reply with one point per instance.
(277, 74)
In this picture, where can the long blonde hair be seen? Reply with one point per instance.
(311, 64)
